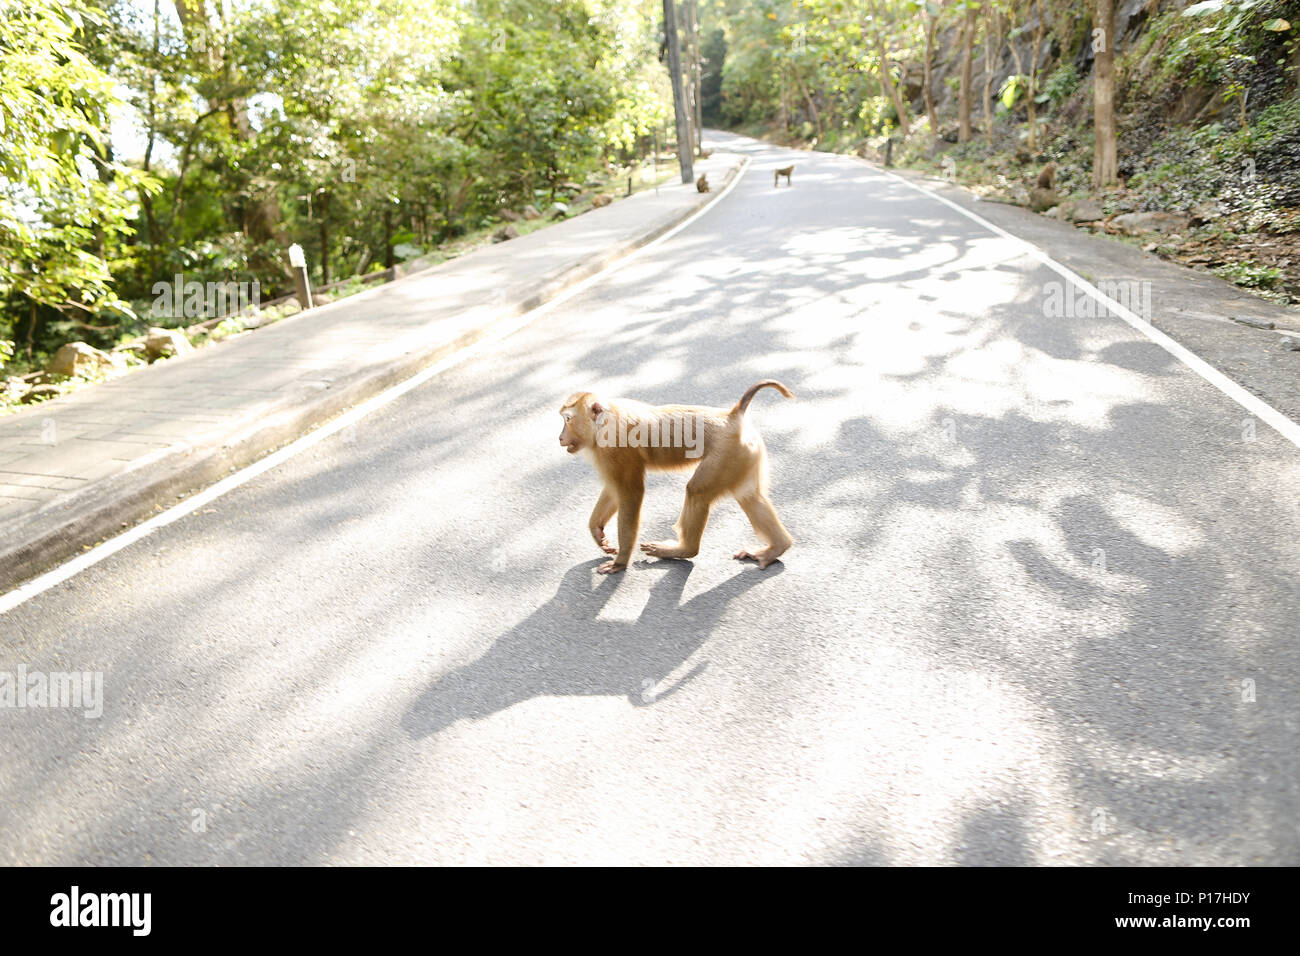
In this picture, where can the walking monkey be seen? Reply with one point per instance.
(624, 438)
(776, 176)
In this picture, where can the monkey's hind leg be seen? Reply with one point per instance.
(690, 526)
(758, 508)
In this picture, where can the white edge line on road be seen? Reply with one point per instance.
(75, 566)
(1251, 403)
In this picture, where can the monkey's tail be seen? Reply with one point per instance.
(742, 405)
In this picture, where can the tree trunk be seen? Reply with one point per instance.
(324, 206)
(886, 77)
(963, 94)
(684, 150)
(388, 238)
(812, 107)
(1105, 161)
(931, 24)
(992, 48)
(1032, 105)
(693, 32)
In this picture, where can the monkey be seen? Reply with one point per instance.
(702, 184)
(625, 438)
(1046, 177)
(776, 177)
(599, 201)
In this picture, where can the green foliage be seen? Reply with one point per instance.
(1218, 41)
(64, 203)
(1250, 274)
(1059, 85)
(351, 127)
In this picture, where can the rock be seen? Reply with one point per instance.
(509, 215)
(557, 211)
(162, 343)
(530, 212)
(40, 393)
(1056, 212)
(1290, 344)
(1204, 212)
(1253, 322)
(78, 358)
(130, 351)
(1086, 210)
(1041, 200)
(508, 231)
(599, 201)
(569, 187)
(1136, 223)
(321, 298)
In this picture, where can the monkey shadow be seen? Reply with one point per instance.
(561, 649)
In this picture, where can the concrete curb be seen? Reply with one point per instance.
(39, 541)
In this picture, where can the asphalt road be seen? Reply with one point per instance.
(1036, 559)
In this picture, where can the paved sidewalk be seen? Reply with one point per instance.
(81, 468)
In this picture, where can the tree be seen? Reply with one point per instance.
(1105, 162)
(64, 200)
(964, 91)
(994, 32)
(931, 11)
(893, 89)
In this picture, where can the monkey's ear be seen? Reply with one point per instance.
(597, 410)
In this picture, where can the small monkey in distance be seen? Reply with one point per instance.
(624, 438)
(1047, 175)
(776, 177)
(702, 184)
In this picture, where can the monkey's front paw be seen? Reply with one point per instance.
(607, 547)
(611, 567)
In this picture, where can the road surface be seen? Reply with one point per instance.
(1041, 609)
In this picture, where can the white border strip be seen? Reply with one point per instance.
(71, 568)
(1251, 403)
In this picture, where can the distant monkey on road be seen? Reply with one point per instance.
(776, 177)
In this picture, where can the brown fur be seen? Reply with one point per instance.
(732, 459)
(702, 184)
(776, 176)
(1046, 177)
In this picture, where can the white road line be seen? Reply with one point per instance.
(1251, 403)
(109, 548)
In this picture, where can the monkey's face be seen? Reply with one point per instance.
(578, 414)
